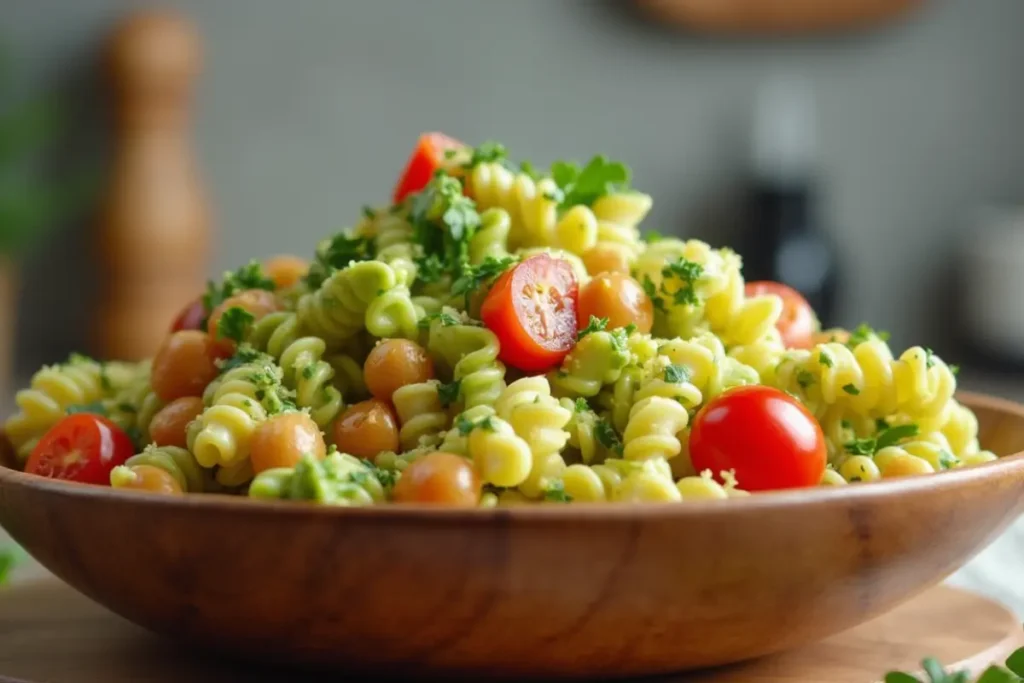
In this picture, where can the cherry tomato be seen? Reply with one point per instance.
(393, 364)
(532, 310)
(167, 428)
(184, 365)
(766, 436)
(366, 429)
(82, 447)
(258, 302)
(191, 317)
(441, 478)
(797, 324)
(426, 158)
(286, 270)
(283, 439)
(619, 298)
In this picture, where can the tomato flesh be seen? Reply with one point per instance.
(191, 317)
(798, 323)
(768, 438)
(81, 447)
(425, 160)
(532, 310)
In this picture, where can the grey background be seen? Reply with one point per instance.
(307, 110)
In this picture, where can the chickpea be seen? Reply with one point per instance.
(619, 298)
(283, 439)
(366, 429)
(145, 478)
(394, 363)
(442, 478)
(286, 270)
(168, 426)
(258, 302)
(184, 365)
(606, 258)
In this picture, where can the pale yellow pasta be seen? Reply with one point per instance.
(422, 418)
(652, 428)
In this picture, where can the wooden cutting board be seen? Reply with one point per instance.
(51, 634)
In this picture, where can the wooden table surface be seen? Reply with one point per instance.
(49, 633)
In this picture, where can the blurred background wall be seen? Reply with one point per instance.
(307, 109)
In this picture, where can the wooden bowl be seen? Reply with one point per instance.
(553, 591)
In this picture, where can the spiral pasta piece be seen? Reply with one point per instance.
(596, 360)
(472, 354)
(302, 364)
(177, 462)
(52, 391)
(337, 311)
(539, 419)
(491, 237)
(652, 428)
(422, 418)
(339, 480)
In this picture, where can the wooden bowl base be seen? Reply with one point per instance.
(51, 633)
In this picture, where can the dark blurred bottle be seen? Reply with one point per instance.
(782, 239)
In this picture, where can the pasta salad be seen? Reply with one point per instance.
(498, 334)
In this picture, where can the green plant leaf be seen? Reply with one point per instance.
(1015, 662)
(900, 677)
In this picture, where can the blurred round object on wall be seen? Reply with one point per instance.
(992, 273)
(775, 17)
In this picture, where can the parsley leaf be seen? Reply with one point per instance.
(893, 435)
(652, 236)
(864, 333)
(955, 369)
(249, 276)
(555, 493)
(581, 405)
(584, 186)
(929, 358)
(595, 325)
(449, 393)
(94, 408)
(825, 358)
(686, 272)
(606, 435)
(336, 254)
(851, 389)
(474, 278)
(629, 329)
(527, 169)
(677, 374)
(369, 213)
(235, 324)
(804, 378)
(446, 320)
(487, 153)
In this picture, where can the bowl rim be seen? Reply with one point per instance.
(770, 501)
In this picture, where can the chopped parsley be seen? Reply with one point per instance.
(336, 254)
(555, 493)
(446, 320)
(595, 325)
(804, 378)
(527, 169)
(652, 236)
(846, 424)
(851, 389)
(585, 186)
(235, 324)
(387, 478)
(94, 408)
(606, 435)
(369, 213)
(890, 436)
(955, 369)
(581, 405)
(947, 459)
(474, 278)
(307, 372)
(243, 356)
(249, 276)
(487, 153)
(864, 333)
(677, 374)
(465, 425)
(449, 393)
(825, 358)
(629, 329)
(678, 284)
(929, 358)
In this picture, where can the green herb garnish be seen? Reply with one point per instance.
(594, 325)
(677, 374)
(585, 186)
(555, 493)
(851, 389)
(249, 276)
(449, 393)
(606, 435)
(235, 324)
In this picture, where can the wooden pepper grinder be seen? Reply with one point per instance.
(154, 236)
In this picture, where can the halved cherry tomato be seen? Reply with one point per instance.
(797, 324)
(532, 310)
(426, 158)
(767, 437)
(82, 447)
(191, 317)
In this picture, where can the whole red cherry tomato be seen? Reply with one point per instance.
(82, 447)
(767, 437)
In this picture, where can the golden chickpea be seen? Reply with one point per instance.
(366, 429)
(606, 258)
(394, 363)
(168, 426)
(619, 298)
(904, 465)
(184, 365)
(145, 478)
(286, 270)
(283, 439)
(258, 302)
(441, 478)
